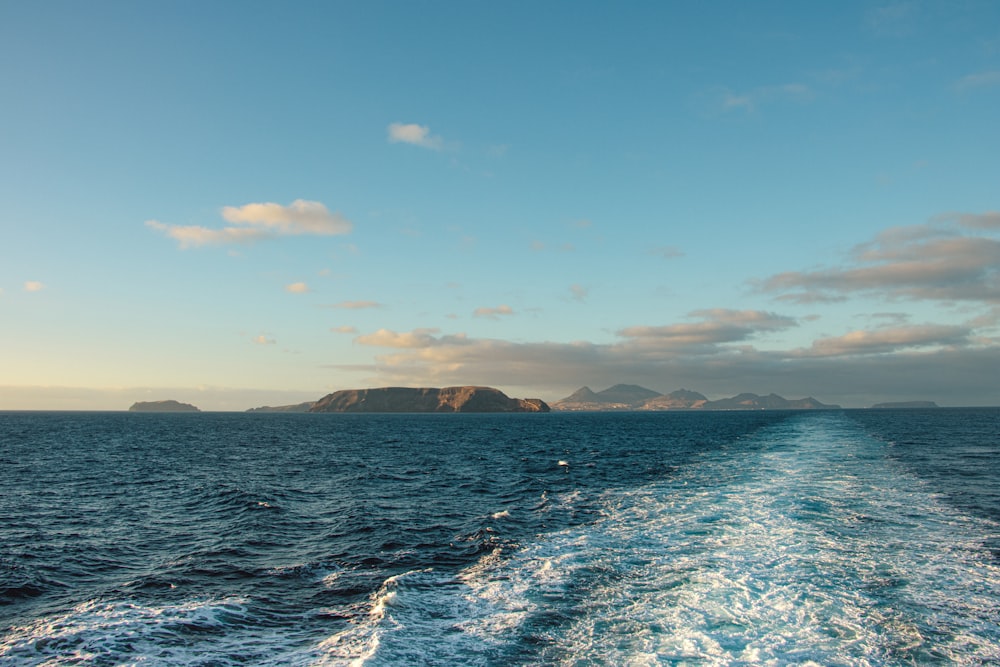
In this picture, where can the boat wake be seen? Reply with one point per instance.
(811, 548)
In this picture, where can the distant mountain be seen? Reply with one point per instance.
(162, 406)
(298, 407)
(633, 397)
(631, 394)
(748, 401)
(682, 399)
(905, 404)
(618, 397)
(582, 395)
(407, 399)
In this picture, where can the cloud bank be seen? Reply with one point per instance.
(717, 352)
(937, 261)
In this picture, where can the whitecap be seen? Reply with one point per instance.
(98, 629)
(808, 549)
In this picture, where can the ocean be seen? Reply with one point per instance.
(853, 537)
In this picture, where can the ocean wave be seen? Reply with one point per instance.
(98, 632)
(805, 554)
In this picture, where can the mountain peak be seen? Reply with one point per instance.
(618, 397)
(582, 395)
(626, 393)
(634, 397)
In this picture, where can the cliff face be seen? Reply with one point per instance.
(162, 406)
(407, 399)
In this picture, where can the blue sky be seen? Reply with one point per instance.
(240, 204)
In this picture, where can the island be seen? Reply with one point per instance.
(162, 406)
(298, 407)
(408, 399)
(622, 397)
(904, 405)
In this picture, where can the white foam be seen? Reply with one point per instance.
(813, 551)
(96, 630)
(740, 573)
(410, 618)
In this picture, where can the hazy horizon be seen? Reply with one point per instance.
(228, 400)
(238, 205)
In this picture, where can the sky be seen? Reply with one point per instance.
(237, 204)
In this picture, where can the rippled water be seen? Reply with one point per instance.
(851, 538)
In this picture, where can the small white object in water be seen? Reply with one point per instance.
(563, 463)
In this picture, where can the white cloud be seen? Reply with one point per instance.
(493, 313)
(890, 339)
(891, 318)
(416, 339)
(300, 217)
(939, 261)
(986, 220)
(417, 135)
(733, 101)
(356, 305)
(258, 221)
(33, 286)
(297, 288)
(717, 326)
(978, 80)
(579, 291)
(264, 340)
(667, 252)
(893, 19)
(726, 100)
(344, 329)
(192, 236)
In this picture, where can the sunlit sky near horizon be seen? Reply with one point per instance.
(244, 204)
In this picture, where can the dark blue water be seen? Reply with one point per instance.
(854, 538)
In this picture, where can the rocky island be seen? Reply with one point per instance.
(162, 406)
(633, 397)
(298, 407)
(904, 405)
(407, 399)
